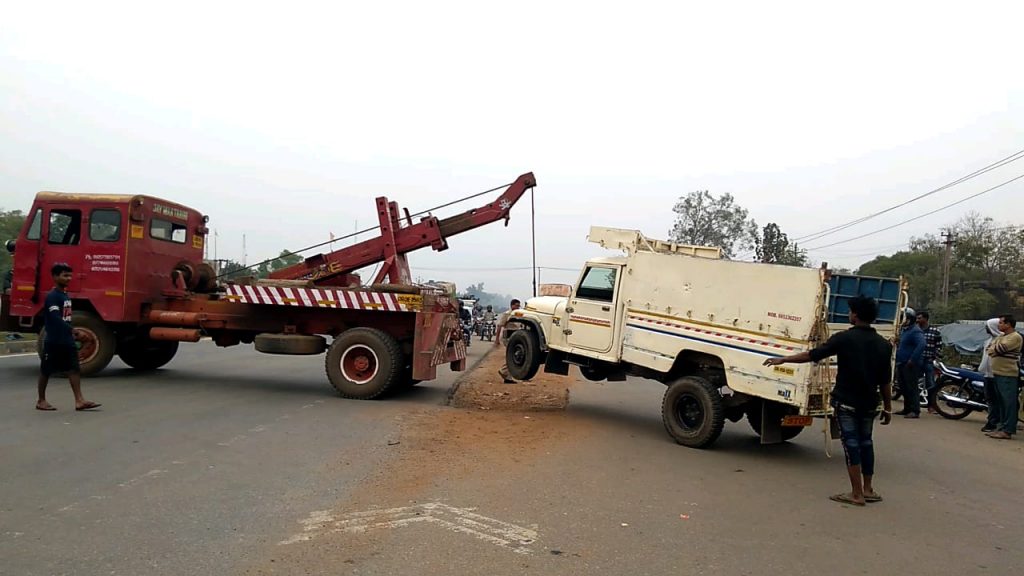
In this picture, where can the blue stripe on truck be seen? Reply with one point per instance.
(711, 342)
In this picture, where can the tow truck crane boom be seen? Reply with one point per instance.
(396, 241)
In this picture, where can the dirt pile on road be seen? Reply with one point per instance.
(482, 389)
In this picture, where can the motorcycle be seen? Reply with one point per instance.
(487, 330)
(960, 392)
(467, 332)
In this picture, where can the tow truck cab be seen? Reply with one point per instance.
(123, 251)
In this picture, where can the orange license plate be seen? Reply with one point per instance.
(797, 421)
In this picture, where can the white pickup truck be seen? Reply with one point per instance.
(701, 325)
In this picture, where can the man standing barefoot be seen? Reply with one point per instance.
(864, 369)
(59, 351)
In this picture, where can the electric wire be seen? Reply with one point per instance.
(840, 227)
(918, 217)
(829, 231)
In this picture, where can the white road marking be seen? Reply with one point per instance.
(232, 440)
(142, 478)
(461, 520)
(18, 355)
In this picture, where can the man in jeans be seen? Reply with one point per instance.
(1004, 354)
(909, 363)
(864, 371)
(932, 344)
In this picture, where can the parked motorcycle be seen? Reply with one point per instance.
(960, 392)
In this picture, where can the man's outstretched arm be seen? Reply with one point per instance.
(801, 358)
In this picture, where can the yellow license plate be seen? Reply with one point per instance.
(797, 421)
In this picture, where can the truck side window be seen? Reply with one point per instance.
(597, 284)
(65, 227)
(167, 230)
(105, 225)
(35, 231)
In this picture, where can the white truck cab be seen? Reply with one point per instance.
(700, 324)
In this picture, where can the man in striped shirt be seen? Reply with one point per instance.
(932, 345)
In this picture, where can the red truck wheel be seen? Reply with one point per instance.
(363, 363)
(146, 354)
(95, 341)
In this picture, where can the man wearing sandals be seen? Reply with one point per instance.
(864, 370)
(60, 355)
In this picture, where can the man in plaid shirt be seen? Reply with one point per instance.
(932, 345)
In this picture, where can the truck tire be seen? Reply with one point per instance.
(692, 412)
(290, 344)
(363, 363)
(595, 373)
(405, 381)
(522, 355)
(94, 338)
(146, 354)
(754, 418)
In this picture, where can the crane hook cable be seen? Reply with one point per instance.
(370, 229)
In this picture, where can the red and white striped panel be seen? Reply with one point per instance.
(323, 298)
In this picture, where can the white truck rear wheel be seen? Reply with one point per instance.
(692, 412)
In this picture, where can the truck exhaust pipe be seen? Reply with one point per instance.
(174, 334)
(167, 318)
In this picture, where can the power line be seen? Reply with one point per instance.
(907, 221)
(829, 231)
(864, 251)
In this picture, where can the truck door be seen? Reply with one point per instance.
(62, 234)
(591, 309)
(26, 291)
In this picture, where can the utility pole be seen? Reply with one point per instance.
(533, 241)
(949, 240)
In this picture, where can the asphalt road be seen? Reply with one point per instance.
(232, 462)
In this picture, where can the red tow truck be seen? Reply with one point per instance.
(141, 287)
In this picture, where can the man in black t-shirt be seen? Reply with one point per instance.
(60, 354)
(864, 369)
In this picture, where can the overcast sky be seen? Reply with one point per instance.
(283, 121)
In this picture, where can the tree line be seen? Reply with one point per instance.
(986, 263)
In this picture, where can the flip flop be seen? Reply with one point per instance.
(88, 406)
(845, 499)
(47, 409)
(875, 498)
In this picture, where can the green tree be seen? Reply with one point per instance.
(231, 270)
(972, 304)
(10, 226)
(284, 260)
(706, 220)
(773, 246)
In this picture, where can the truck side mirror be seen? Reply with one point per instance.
(10, 246)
